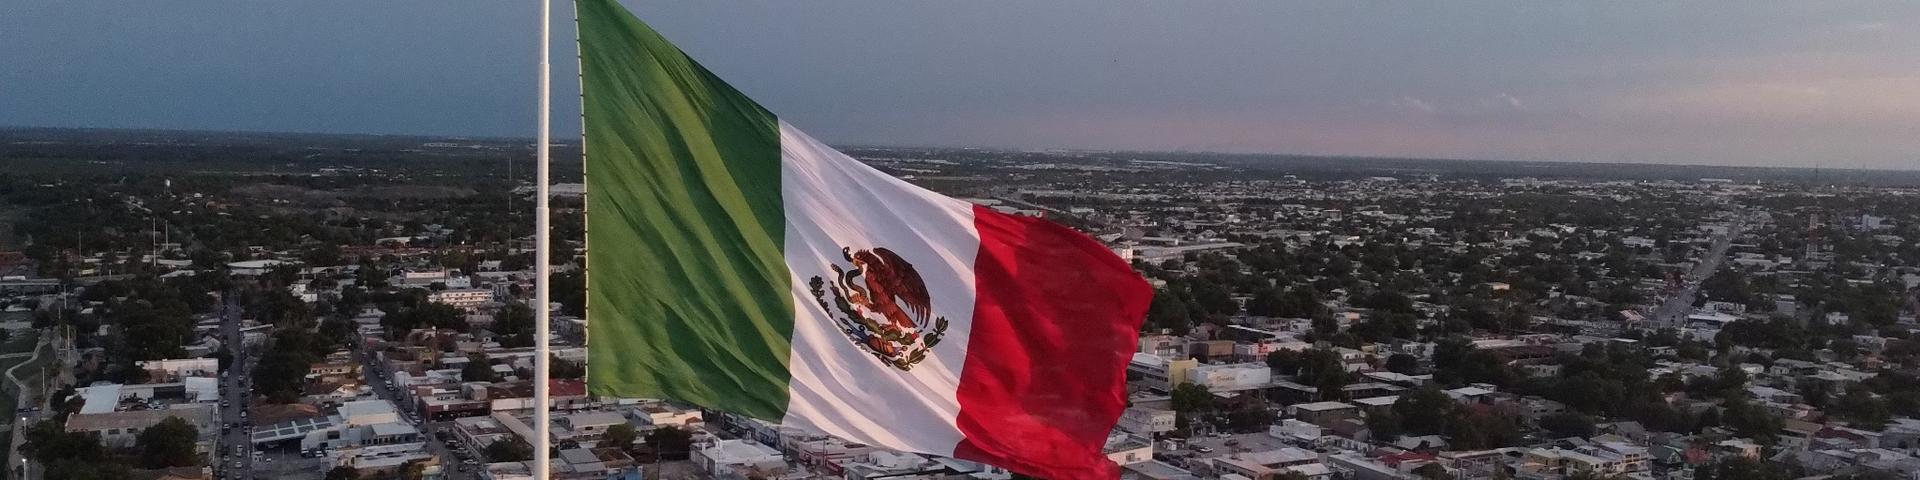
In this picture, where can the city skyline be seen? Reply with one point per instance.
(1778, 84)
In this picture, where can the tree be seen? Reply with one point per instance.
(1213, 299)
(1566, 425)
(1862, 408)
(1168, 312)
(48, 442)
(1250, 417)
(70, 455)
(1471, 430)
(169, 443)
(1726, 285)
(1284, 362)
(1301, 302)
(336, 329)
(403, 320)
(222, 358)
(478, 369)
(1845, 348)
(1449, 352)
(416, 470)
(1192, 397)
(566, 370)
(1478, 366)
(1385, 426)
(283, 368)
(68, 469)
(1323, 369)
(1424, 411)
(343, 473)
(322, 255)
(1741, 468)
(508, 450)
(570, 291)
(620, 435)
(1403, 364)
(1266, 302)
(1324, 324)
(513, 326)
(1749, 420)
(671, 443)
(351, 299)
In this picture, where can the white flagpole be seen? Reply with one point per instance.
(542, 255)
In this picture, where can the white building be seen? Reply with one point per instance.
(363, 423)
(1271, 463)
(1234, 377)
(1147, 421)
(467, 298)
(121, 429)
(664, 415)
(253, 267)
(302, 291)
(1159, 373)
(180, 367)
(740, 458)
(1716, 320)
(1126, 449)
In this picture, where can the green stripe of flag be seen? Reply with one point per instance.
(688, 293)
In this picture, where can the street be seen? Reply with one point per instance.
(1675, 309)
(457, 466)
(235, 459)
(30, 407)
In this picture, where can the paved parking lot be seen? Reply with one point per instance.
(290, 466)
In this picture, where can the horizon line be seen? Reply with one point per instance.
(579, 138)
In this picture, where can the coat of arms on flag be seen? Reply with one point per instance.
(882, 306)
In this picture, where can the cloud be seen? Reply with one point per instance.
(1408, 102)
(1511, 101)
(1868, 26)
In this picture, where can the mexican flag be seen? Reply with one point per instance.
(738, 264)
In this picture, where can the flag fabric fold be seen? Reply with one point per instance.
(738, 264)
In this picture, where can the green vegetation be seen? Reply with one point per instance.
(170, 443)
(508, 450)
(671, 443)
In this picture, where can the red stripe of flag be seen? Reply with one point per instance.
(1056, 319)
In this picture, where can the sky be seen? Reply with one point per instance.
(1832, 84)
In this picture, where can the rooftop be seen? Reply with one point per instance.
(1322, 406)
(200, 415)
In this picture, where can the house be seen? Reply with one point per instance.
(119, 429)
(886, 465)
(1271, 464)
(1376, 405)
(589, 426)
(1147, 421)
(1603, 462)
(1157, 372)
(1126, 449)
(1739, 447)
(361, 423)
(740, 458)
(1232, 377)
(466, 298)
(1324, 413)
(662, 414)
(1157, 470)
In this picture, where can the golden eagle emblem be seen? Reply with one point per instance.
(881, 305)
